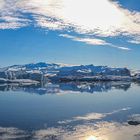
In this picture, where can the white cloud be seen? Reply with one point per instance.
(103, 18)
(13, 22)
(119, 47)
(135, 40)
(49, 23)
(11, 25)
(93, 41)
(10, 16)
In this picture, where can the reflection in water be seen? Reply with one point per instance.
(91, 117)
(134, 119)
(101, 130)
(91, 138)
(50, 88)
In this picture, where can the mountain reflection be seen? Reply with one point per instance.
(80, 117)
(80, 87)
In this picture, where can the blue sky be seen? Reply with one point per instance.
(99, 32)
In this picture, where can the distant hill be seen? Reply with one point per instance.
(63, 72)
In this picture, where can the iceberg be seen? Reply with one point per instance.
(66, 73)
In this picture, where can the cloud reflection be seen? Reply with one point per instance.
(93, 116)
(12, 133)
(101, 131)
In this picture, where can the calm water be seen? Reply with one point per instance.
(72, 111)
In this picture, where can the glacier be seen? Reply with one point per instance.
(51, 72)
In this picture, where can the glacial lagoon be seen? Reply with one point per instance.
(70, 111)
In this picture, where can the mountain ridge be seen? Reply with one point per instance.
(64, 72)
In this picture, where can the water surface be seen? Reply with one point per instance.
(70, 111)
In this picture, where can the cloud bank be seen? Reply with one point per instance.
(98, 18)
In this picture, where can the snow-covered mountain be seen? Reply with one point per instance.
(34, 71)
(32, 66)
(39, 71)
